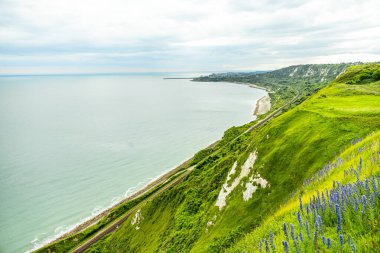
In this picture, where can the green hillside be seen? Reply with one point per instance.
(347, 187)
(262, 171)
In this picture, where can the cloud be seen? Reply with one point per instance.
(173, 35)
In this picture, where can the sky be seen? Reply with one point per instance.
(86, 36)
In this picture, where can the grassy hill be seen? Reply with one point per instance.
(260, 174)
(340, 204)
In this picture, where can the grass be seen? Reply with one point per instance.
(360, 225)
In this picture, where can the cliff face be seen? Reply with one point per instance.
(308, 74)
(321, 72)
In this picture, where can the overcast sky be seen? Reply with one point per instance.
(54, 36)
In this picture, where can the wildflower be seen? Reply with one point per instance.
(266, 246)
(328, 243)
(286, 246)
(307, 228)
(271, 236)
(324, 240)
(341, 240)
(356, 204)
(364, 201)
(301, 236)
(319, 220)
(339, 218)
(300, 200)
(285, 231)
(372, 199)
(323, 202)
(299, 219)
(292, 231)
(261, 246)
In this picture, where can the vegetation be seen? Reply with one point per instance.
(291, 149)
(337, 210)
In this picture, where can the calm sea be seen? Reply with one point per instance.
(71, 146)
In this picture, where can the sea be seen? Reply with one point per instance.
(74, 145)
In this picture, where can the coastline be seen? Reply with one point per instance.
(93, 219)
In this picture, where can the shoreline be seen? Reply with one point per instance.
(149, 186)
(93, 219)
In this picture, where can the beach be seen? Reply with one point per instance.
(263, 106)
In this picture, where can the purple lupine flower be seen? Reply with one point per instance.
(307, 229)
(271, 236)
(328, 243)
(301, 236)
(323, 202)
(261, 246)
(286, 246)
(364, 201)
(319, 219)
(292, 231)
(307, 209)
(372, 199)
(299, 219)
(339, 218)
(324, 240)
(366, 185)
(300, 200)
(356, 204)
(285, 231)
(266, 246)
(341, 239)
(320, 223)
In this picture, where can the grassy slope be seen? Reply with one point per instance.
(290, 148)
(365, 239)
